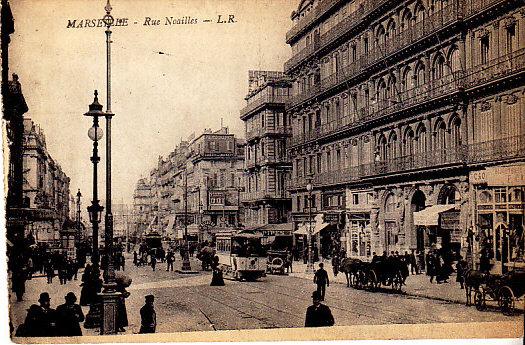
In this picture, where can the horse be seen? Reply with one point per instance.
(473, 279)
(350, 267)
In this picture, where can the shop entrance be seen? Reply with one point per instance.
(417, 204)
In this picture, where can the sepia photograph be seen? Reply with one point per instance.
(263, 170)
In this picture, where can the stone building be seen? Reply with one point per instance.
(396, 106)
(200, 181)
(142, 207)
(46, 191)
(267, 127)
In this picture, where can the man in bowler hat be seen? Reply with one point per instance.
(148, 318)
(318, 315)
(69, 317)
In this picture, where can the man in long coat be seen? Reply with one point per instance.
(318, 315)
(69, 316)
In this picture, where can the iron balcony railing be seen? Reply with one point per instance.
(264, 195)
(496, 68)
(496, 150)
(268, 99)
(303, 54)
(429, 26)
(261, 131)
(493, 70)
(483, 152)
(473, 7)
(310, 18)
(268, 159)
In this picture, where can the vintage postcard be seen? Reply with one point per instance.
(263, 170)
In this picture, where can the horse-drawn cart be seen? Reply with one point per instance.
(505, 289)
(372, 275)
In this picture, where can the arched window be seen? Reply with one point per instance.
(421, 139)
(392, 146)
(420, 74)
(408, 142)
(406, 20)
(419, 12)
(381, 91)
(391, 92)
(408, 79)
(448, 195)
(380, 35)
(455, 132)
(441, 135)
(438, 69)
(390, 203)
(485, 197)
(383, 148)
(391, 29)
(454, 59)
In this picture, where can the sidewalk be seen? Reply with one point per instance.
(416, 285)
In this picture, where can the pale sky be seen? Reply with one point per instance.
(158, 99)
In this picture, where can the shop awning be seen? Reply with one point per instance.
(303, 229)
(430, 215)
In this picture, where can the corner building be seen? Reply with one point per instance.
(396, 106)
(267, 169)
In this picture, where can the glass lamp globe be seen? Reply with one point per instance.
(95, 133)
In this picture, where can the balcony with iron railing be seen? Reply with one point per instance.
(444, 86)
(473, 7)
(259, 102)
(262, 131)
(512, 147)
(254, 196)
(265, 160)
(310, 18)
(402, 40)
(497, 150)
(495, 69)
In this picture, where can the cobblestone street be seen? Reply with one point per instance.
(187, 302)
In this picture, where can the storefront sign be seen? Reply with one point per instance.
(513, 175)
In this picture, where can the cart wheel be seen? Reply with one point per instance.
(506, 301)
(479, 300)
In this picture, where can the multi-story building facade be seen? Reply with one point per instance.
(401, 110)
(267, 129)
(142, 207)
(200, 181)
(45, 188)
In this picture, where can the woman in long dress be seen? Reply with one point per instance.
(217, 278)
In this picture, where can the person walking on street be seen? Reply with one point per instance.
(335, 264)
(153, 260)
(413, 263)
(461, 269)
(318, 315)
(50, 271)
(40, 320)
(431, 265)
(122, 314)
(217, 278)
(18, 282)
(170, 258)
(289, 262)
(321, 279)
(420, 255)
(69, 317)
(148, 317)
(135, 258)
(30, 268)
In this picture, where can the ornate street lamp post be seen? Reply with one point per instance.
(310, 264)
(78, 234)
(95, 133)
(95, 210)
(109, 295)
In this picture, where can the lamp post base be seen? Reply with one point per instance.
(94, 316)
(109, 311)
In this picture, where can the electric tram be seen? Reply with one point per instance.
(241, 255)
